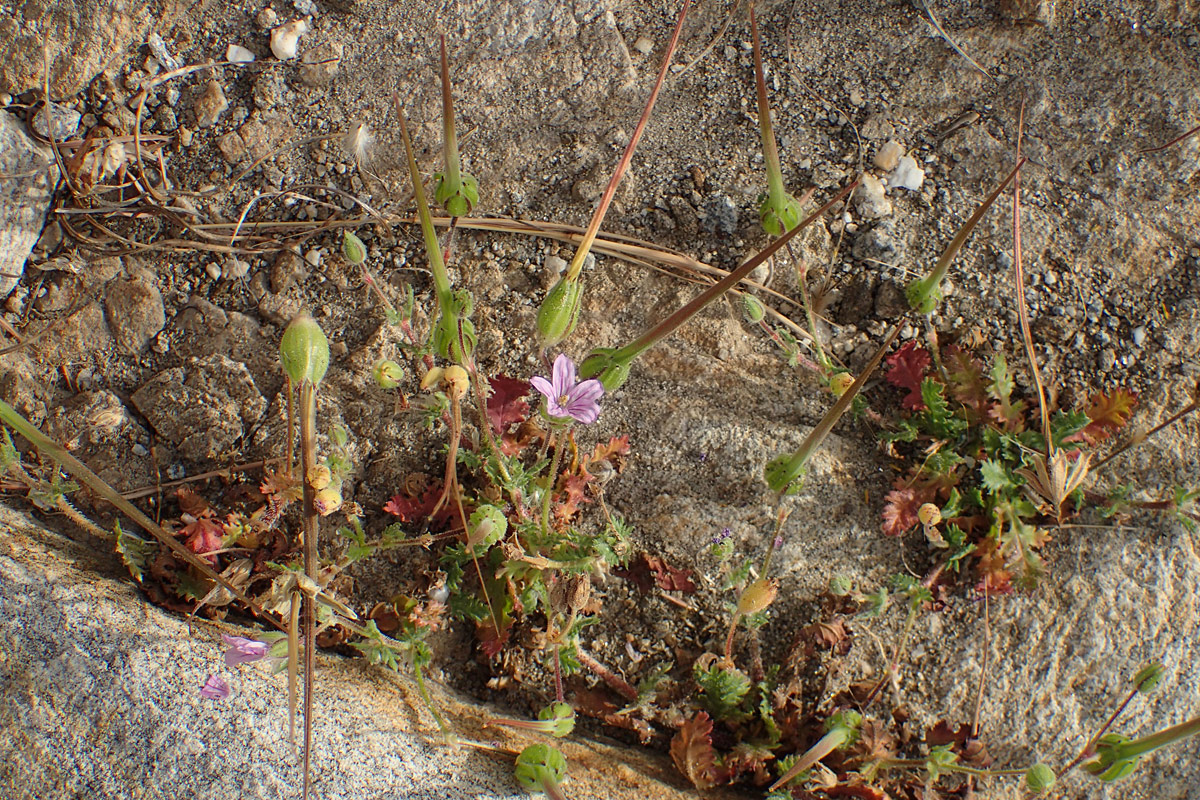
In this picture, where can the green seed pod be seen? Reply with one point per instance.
(753, 308)
(562, 716)
(447, 342)
(1148, 677)
(779, 219)
(457, 200)
(922, 297)
(387, 374)
(601, 363)
(538, 763)
(559, 311)
(781, 472)
(1110, 763)
(304, 351)
(353, 249)
(1039, 778)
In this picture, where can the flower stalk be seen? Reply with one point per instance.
(457, 191)
(454, 334)
(780, 211)
(841, 730)
(612, 365)
(1117, 756)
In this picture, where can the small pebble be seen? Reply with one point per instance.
(888, 156)
(1139, 335)
(238, 54)
(210, 105)
(285, 40)
(140, 450)
(213, 270)
(643, 45)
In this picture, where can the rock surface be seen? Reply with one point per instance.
(101, 699)
(30, 175)
(83, 36)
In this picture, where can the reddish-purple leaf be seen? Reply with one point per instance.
(507, 405)
(906, 369)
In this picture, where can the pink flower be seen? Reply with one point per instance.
(565, 397)
(242, 650)
(215, 688)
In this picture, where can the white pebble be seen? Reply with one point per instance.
(213, 270)
(555, 265)
(907, 175)
(238, 54)
(285, 39)
(313, 257)
(643, 45)
(1139, 335)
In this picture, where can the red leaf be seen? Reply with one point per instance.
(417, 509)
(1108, 414)
(204, 536)
(693, 752)
(506, 404)
(616, 446)
(900, 513)
(906, 369)
(645, 571)
(572, 495)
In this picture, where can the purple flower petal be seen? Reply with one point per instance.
(215, 688)
(563, 374)
(544, 386)
(242, 650)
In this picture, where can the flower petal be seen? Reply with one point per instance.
(215, 688)
(544, 386)
(563, 374)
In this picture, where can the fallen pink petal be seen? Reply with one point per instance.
(215, 688)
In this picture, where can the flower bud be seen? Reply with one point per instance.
(757, 596)
(387, 374)
(327, 501)
(304, 351)
(559, 311)
(840, 586)
(1039, 778)
(353, 249)
(752, 307)
(433, 377)
(1148, 677)
(840, 382)
(319, 476)
(929, 514)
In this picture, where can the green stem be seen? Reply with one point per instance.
(551, 480)
(433, 248)
(682, 315)
(453, 165)
(902, 763)
(443, 728)
(775, 190)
